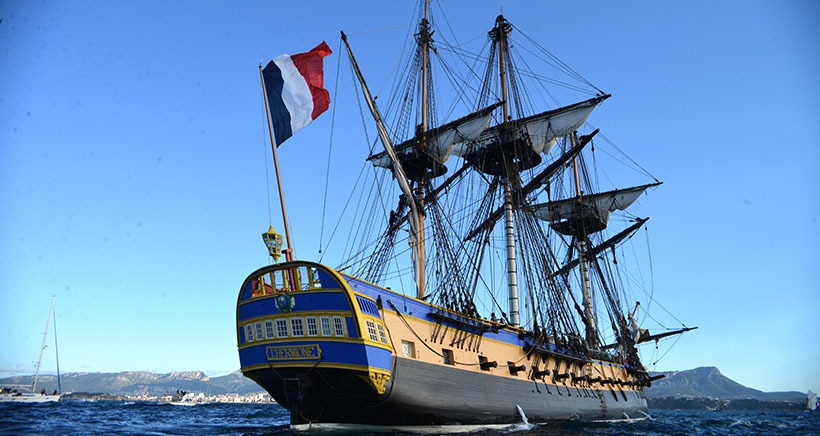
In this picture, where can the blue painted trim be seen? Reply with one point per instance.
(343, 353)
(306, 301)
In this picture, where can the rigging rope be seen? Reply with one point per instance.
(560, 64)
(329, 151)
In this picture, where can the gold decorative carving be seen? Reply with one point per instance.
(377, 380)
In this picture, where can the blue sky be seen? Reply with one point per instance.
(133, 155)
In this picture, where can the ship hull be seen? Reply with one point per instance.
(339, 350)
(426, 394)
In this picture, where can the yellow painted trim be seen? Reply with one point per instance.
(343, 314)
(323, 365)
(314, 339)
(398, 294)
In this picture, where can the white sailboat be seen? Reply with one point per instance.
(29, 394)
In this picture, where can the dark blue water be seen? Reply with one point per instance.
(117, 417)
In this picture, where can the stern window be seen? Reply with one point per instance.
(371, 330)
(249, 333)
(311, 326)
(269, 333)
(326, 326)
(296, 327)
(282, 328)
(259, 332)
(382, 334)
(339, 326)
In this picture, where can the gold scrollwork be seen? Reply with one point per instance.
(377, 380)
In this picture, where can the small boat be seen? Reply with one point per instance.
(28, 393)
(481, 286)
(184, 398)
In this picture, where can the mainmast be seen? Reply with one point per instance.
(499, 35)
(424, 39)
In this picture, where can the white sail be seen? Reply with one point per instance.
(598, 205)
(442, 146)
(443, 139)
(544, 133)
(543, 129)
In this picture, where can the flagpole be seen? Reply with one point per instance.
(289, 250)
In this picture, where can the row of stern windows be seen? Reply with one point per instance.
(295, 327)
(309, 326)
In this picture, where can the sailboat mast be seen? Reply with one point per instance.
(502, 28)
(43, 346)
(289, 250)
(56, 351)
(581, 245)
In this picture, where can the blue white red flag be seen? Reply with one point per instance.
(295, 89)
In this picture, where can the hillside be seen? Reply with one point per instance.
(142, 383)
(705, 382)
(708, 382)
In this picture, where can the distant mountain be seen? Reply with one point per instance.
(142, 383)
(708, 382)
(705, 382)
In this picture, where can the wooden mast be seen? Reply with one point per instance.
(501, 30)
(289, 250)
(581, 245)
(424, 39)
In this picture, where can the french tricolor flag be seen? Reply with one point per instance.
(294, 85)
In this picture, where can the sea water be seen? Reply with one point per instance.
(150, 418)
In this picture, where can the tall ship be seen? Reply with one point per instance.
(483, 284)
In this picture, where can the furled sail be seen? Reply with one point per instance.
(590, 212)
(441, 140)
(543, 129)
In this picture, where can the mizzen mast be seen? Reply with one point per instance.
(581, 245)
